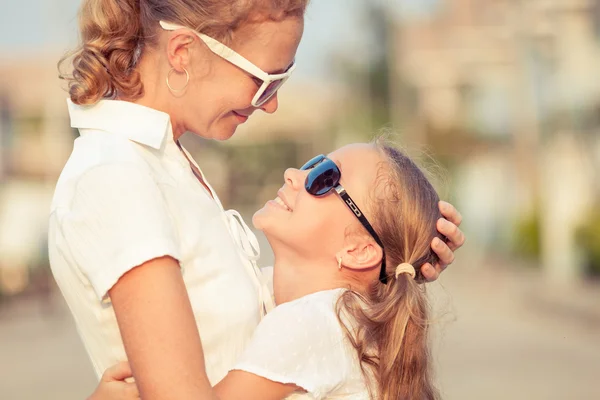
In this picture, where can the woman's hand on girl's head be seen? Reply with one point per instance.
(112, 385)
(447, 226)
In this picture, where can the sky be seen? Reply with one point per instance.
(331, 26)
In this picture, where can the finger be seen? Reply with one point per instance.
(450, 212)
(443, 251)
(117, 372)
(455, 236)
(132, 391)
(429, 272)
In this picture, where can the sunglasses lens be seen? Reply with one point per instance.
(322, 178)
(312, 162)
(270, 90)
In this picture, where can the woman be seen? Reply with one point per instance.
(351, 320)
(140, 245)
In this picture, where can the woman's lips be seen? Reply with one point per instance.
(240, 117)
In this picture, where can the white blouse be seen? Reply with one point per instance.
(303, 343)
(128, 195)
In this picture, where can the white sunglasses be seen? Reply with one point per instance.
(270, 82)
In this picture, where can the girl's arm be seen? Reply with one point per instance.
(242, 385)
(237, 385)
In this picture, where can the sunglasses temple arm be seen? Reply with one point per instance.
(363, 220)
(358, 213)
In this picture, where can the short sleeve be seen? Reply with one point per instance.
(117, 220)
(300, 342)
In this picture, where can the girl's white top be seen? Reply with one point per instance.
(128, 195)
(302, 342)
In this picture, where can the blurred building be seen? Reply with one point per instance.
(476, 57)
(34, 139)
(512, 88)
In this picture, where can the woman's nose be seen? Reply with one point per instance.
(271, 105)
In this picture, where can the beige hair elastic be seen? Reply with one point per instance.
(405, 268)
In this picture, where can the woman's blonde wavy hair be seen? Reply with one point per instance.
(388, 326)
(114, 33)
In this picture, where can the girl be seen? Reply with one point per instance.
(347, 231)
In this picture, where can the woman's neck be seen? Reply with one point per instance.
(156, 94)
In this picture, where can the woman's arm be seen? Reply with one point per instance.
(159, 332)
(113, 385)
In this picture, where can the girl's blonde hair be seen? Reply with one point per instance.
(114, 33)
(389, 327)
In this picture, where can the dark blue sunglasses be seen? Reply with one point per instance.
(323, 177)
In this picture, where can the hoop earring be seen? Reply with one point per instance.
(187, 80)
(340, 264)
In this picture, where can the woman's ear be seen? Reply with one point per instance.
(178, 49)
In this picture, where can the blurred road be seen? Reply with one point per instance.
(509, 335)
(499, 335)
